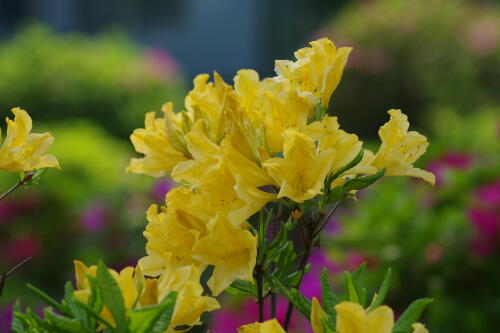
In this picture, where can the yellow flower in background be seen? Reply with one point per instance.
(270, 326)
(230, 249)
(160, 157)
(317, 71)
(301, 172)
(400, 148)
(22, 150)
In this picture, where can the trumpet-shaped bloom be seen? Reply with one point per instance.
(400, 148)
(22, 150)
(270, 326)
(230, 249)
(191, 303)
(317, 71)
(302, 170)
(172, 231)
(352, 318)
(129, 286)
(208, 101)
(160, 156)
(265, 110)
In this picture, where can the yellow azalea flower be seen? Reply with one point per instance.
(208, 101)
(191, 303)
(160, 156)
(265, 110)
(400, 148)
(230, 249)
(352, 318)
(216, 188)
(419, 328)
(270, 326)
(317, 71)
(22, 150)
(129, 286)
(172, 231)
(302, 170)
(318, 318)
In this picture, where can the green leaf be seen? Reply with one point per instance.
(49, 300)
(74, 309)
(112, 296)
(320, 111)
(355, 161)
(240, 287)
(302, 303)
(94, 314)
(379, 297)
(359, 183)
(64, 323)
(358, 278)
(411, 315)
(352, 293)
(153, 319)
(329, 297)
(16, 324)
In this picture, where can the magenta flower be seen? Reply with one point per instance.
(484, 215)
(94, 217)
(449, 161)
(24, 246)
(5, 318)
(161, 188)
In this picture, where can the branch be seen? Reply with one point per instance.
(26, 179)
(5, 275)
(314, 229)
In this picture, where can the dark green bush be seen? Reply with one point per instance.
(417, 56)
(106, 79)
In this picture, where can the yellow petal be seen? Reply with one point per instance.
(270, 326)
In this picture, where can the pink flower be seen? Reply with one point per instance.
(449, 161)
(94, 217)
(24, 246)
(483, 36)
(484, 215)
(161, 188)
(161, 64)
(5, 318)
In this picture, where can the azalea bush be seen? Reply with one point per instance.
(436, 241)
(260, 168)
(105, 79)
(425, 55)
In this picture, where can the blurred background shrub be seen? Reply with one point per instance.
(416, 55)
(107, 79)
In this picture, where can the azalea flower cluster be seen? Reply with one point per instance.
(235, 149)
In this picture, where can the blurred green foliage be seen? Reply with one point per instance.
(415, 55)
(89, 210)
(106, 78)
(431, 238)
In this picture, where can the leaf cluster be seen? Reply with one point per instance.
(73, 316)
